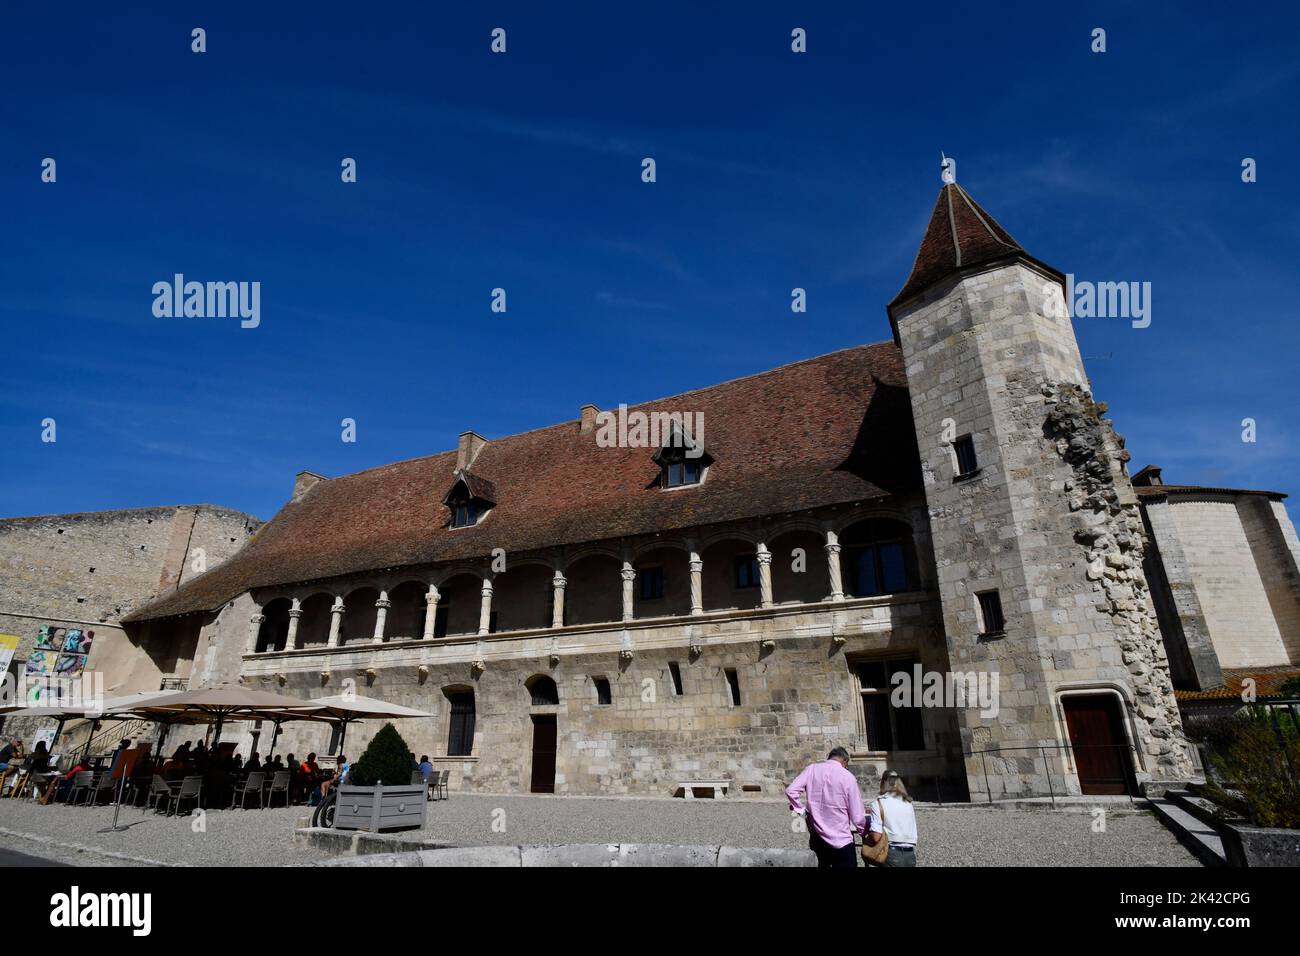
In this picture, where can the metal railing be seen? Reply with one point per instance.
(1126, 779)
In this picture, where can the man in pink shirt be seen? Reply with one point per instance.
(832, 807)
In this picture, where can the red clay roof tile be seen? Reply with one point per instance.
(830, 430)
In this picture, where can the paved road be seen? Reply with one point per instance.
(14, 858)
(950, 836)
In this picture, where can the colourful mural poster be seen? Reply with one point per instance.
(78, 641)
(71, 665)
(49, 638)
(41, 662)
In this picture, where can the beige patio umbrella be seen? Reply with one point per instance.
(344, 709)
(216, 704)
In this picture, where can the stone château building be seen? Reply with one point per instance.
(586, 618)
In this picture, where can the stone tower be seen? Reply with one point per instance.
(1036, 529)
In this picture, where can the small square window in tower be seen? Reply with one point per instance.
(991, 619)
(604, 697)
(964, 450)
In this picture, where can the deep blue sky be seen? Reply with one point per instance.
(523, 171)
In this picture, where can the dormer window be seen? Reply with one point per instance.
(681, 461)
(469, 499)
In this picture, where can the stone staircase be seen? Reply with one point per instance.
(1191, 819)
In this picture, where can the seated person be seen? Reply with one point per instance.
(61, 785)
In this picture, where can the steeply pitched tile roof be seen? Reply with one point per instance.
(830, 430)
(961, 236)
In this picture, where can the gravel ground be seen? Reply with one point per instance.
(950, 836)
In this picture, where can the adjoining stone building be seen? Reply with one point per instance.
(586, 618)
(82, 573)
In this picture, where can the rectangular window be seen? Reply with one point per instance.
(464, 514)
(964, 448)
(677, 677)
(746, 567)
(885, 726)
(733, 682)
(492, 622)
(603, 695)
(652, 583)
(678, 473)
(439, 621)
(460, 733)
(991, 619)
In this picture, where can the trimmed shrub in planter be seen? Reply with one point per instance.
(364, 804)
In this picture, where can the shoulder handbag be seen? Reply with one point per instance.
(877, 855)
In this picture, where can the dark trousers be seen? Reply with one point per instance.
(832, 857)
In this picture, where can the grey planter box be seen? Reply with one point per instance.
(380, 809)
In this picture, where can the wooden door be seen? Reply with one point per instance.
(1101, 752)
(544, 734)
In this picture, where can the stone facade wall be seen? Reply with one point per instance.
(1193, 663)
(1227, 577)
(798, 698)
(1273, 542)
(978, 353)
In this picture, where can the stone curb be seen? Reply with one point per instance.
(585, 854)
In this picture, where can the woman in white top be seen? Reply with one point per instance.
(892, 814)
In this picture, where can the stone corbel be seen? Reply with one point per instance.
(281, 679)
(554, 653)
(324, 678)
(422, 673)
(478, 665)
(626, 651)
(695, 647)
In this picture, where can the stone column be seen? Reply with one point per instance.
(336, 621)
(485, 610)
(558, 584)
(697, 580)
(381, 614)
(629, 576)
(254, 626)
(295, 612)
(764, 576)
(833, 565)
(430, 612)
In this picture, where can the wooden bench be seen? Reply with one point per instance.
(718, 788)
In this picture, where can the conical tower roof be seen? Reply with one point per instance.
(960, 238)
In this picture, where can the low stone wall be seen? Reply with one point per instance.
(579, 854)
(1257, 846)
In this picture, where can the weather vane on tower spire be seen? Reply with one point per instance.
(948, 169)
